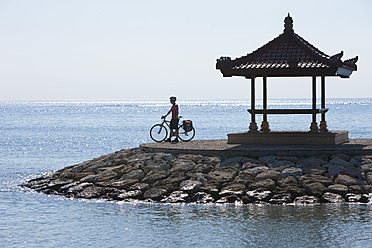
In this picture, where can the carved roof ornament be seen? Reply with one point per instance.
(288, 55)
(288, 23)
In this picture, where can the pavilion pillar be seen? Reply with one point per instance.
(265, 124)
(253, 126)
(323, 123)
(314, 125)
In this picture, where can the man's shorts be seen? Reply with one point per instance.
(174, 124)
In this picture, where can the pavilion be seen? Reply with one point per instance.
(288, 55)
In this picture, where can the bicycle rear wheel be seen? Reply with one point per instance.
(186, 136)
(158, 133)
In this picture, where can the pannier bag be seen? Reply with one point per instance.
(187, 125)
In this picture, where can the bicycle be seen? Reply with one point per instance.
(159, 132)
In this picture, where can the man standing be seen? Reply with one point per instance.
(174, 120)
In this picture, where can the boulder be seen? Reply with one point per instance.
(292, 171)
(281, 198)
(268, 174)
(351, 197)
(222, 175)
(91, 192)
(310, 178)
(367, 168)
(342, 156)
(202, 198)
(258, 195)
(316, 189)
(338, 161)
(362, 189)
(267, 184)
(154, 176)
(233, 189)
(314, 170)
(329, 197)
(313, 162)
(303, 200)
(134, 174)
(235, 162)
(281, 163)
(346, 180)
(295, 160)
(369, 177)
(140, 186)
(338, 189)
(176, 197)
(156, 164)
(334, 170)
(230, 199)
(355, 172)
(211, 187)
(182, 165)
(155, 193)
(198, 176)
(256, 170)
(203, 168)
(120, 184)
(190, 185)
(131, 194)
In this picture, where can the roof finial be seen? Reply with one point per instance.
(288, 23)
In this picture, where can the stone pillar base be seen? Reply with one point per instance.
(314, 127)
(323, 127)
(253, 128)
(265, 127)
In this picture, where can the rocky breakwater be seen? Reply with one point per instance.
(134, 175)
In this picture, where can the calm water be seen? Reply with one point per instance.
(39, 137)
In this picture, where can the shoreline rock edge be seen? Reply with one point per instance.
(157, 177)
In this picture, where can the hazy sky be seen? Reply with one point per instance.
(126, 49)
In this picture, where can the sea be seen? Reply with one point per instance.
(38, 137)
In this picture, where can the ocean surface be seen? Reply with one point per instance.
(38, 137)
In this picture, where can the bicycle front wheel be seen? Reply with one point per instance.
(158, 133)
(186, 136)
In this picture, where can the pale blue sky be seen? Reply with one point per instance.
(111, 49)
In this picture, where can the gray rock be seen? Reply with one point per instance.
(355, 161)
(132, 194)
(204, 168)
(202, 198)
(90, 192)
(316, 189)
(351, 197)
(163, 156)
(267, 184)
(340, 162)
(223, 175)
(233, 189)
(89, 179)
(183, 165)
(292, 171)
(369, 177)
(256, 170)
(281, 163)
(292, 159)
(259, 195)
(122, 184)
(362, 189)
(139, 186)
(309, 178)
(367, 168)
(176, 197)
(198, 176)
(156, 164)
(314, 170)
(76, 188)
(155, 193)
(190, 185)
(281, 198)
(134, 174)
(329, 197)
(353, 172)
(230, 199)
(194, 157)
(313, 162)
(267, 159)
(303, 200)
(154, 176)
(338, 189)
(334, 170)
(269, 174)
(346, 180)
(342, 156)
(235, 162)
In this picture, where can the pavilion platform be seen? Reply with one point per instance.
(289, 138)
(222, 148)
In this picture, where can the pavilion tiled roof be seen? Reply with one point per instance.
(287, 55)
